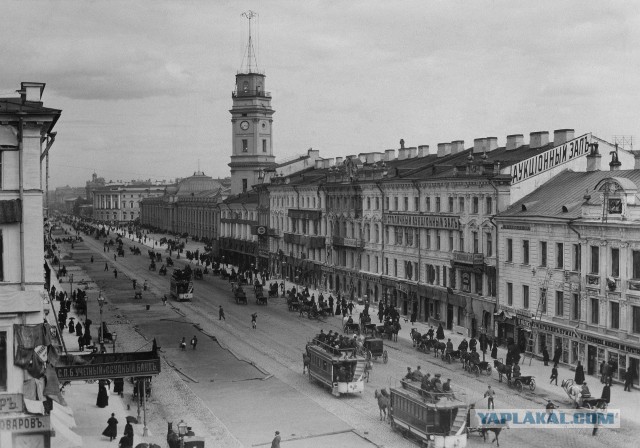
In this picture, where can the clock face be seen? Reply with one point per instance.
(244, 125)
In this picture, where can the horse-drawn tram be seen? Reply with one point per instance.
(339, 369)
(439, 423)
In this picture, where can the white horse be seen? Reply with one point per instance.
(573, 391)
(383, 402)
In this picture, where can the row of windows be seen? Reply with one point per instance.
(575, 312)
(576, 251)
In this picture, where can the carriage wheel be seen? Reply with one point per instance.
(488, 370)
(518, 385)
(532, 385)
(385, 357)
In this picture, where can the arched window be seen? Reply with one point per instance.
(245, 86)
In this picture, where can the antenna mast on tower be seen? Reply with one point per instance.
(251, 65)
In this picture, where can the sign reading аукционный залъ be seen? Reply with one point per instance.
(541, 418)
(558, 155)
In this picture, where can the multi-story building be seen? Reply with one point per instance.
(25, 125)
(189, 207)
(570, 268)
(120, 203)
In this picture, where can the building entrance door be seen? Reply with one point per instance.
(449, 317)
(592, 360)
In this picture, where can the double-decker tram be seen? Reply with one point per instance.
(342, 370)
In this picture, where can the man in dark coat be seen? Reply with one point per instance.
(545, 356)
(628, 380)
(579, 376)
(111, 430)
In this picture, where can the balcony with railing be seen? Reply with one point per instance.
(310, 241)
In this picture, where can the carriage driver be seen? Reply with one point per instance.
(464, 345)
(586, 393)
(449, 346)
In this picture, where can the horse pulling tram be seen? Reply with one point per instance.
(436, 425)
(339, 369)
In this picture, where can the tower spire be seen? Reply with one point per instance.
(249, 61)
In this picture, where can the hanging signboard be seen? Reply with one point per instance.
(10, 403)
(107, 366)
(550, 159)
(25, 423)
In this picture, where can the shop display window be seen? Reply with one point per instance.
(613, 358)
(575, 356)
(622, 366)
(565, 350)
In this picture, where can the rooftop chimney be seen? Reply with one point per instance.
(389, 155)
(412, 152)
(423, 150)
(615, 164)
(402, 153)
(478, 145)
(561, 136)
(457, 146)
(339, 160)
(319, 164)
(490, 143)
(31, 91)
(328, 163)
(538, 139)
(514, 141)
(444, 149)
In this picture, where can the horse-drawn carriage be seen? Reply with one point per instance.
(162, 270)
(293, 304)
(197, 274)
(580, 400)
(389, 330)
(273, 290)
(374, 348)
(351, 327)
(514, 378)
(169, 261)
(261, 299)
(152, 266)
(240, 296)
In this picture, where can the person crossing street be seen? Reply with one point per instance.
(194, 342)
(221, 314)
(254, 320)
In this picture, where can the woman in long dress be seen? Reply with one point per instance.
(103, 396)
(111, 430)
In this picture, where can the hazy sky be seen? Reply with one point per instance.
(145, 86)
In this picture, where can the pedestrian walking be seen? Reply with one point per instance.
(111, 430)
(413, 317)
(254, 320)
(81, 342)
(144, 286)
(489, 394)
(164, 300)
(440, 333)
(103, 398)
(628, 380)
(545, 356)
(350, 306)
(606, 393)
(106, 266)
(554, 374)
(91, 258)
(275, 443)
(194, 342)
(602, 372)
(221, 314)
(183, 343)
(115, 257)
(579, 376)
(115, 273)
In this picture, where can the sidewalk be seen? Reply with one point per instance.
(80, 395)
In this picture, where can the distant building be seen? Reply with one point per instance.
(120, 203)
(25, 124)
(189, 207)
(94, 184)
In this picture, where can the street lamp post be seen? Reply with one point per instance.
(115, 337)
(100, 332)
(483, 341)
(71, 283)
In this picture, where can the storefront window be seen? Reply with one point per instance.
(613, 359)
(635, 319)
(478, 281)
(601, 356)
(575, 355)
(622, 366)
(595, 311)
(565, 350)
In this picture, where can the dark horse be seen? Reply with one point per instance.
(496, 431)
(502, 369)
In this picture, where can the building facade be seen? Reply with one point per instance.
(26, 125)
(570, 265)
(121, 203)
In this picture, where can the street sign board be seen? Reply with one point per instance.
(10, 403)
(109, 370)
(25, 423)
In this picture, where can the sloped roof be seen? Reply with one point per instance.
(567, 190)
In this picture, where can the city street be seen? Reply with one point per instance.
(244, 394)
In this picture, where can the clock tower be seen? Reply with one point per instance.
(251, 124)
